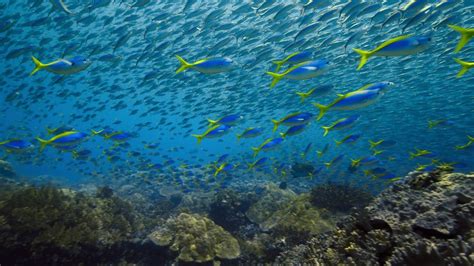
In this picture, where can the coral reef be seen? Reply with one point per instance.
(50, 225)
(196, 239)
(338, 197)
(302, 170)
(424, 219)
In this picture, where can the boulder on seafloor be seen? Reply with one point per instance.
(6, 170)
(339, 197)
(196, 239)
(228, 209)
(271, 200)
(424, 219)
(289, 217)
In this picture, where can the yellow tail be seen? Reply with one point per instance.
(355, 163)
(364, 57)
(276, 78)
(276, 123)
(184, 65)
(466, 35)
(38, 65)
(279, 64)
(320, 153)
(374, 144)
(43, 143)
(96, 132)
(199, 138)
(303, 95)
(255, 151)
(338, 143)
(212, 122)
(326, 130)
(465, 66)
(322, 110)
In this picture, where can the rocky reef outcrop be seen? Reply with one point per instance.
(424, 219)
(196, 239)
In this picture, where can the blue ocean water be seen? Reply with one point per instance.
(131, 85)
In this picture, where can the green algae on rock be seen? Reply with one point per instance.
(196, 239)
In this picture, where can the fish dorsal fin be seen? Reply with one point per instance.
(391, 41)
(365, 87)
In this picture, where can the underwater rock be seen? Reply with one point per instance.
(6, 170)
(271, 200)
(302, 170)
(196, 239)
(430, 223)
(297, 221)
(104, 192)
(338, 197)
(228, 209)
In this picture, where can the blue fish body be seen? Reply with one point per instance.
(346, 123)
(251, 133)
(218, 132)
(272, 144)
(308, 70)
(358, 99)
(408, 46)
(70, 139)
(16, 145)
(299, 119)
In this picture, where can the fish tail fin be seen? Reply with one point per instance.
(320, 153)
(412, 155)
(303, 96)
(328, 164)
(364, 57)
(431, 124)
(374, 144)
(43, 143)
(470, 138)
(50, 130)
(283, 135)
(75, 154)
(355, 163)
(465, 66)
(212, 122)
(239, 136)
(38, 65)
(465, 37)
(255, 151)
(326, 130)
(338, 143)
(218, 170)
(377, 152)
(322, 110)
(96, 132)
(276, 78)
(276, 123)
(184, 65)
(278, 64)
(199, 138)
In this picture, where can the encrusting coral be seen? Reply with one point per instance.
(196, 239)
